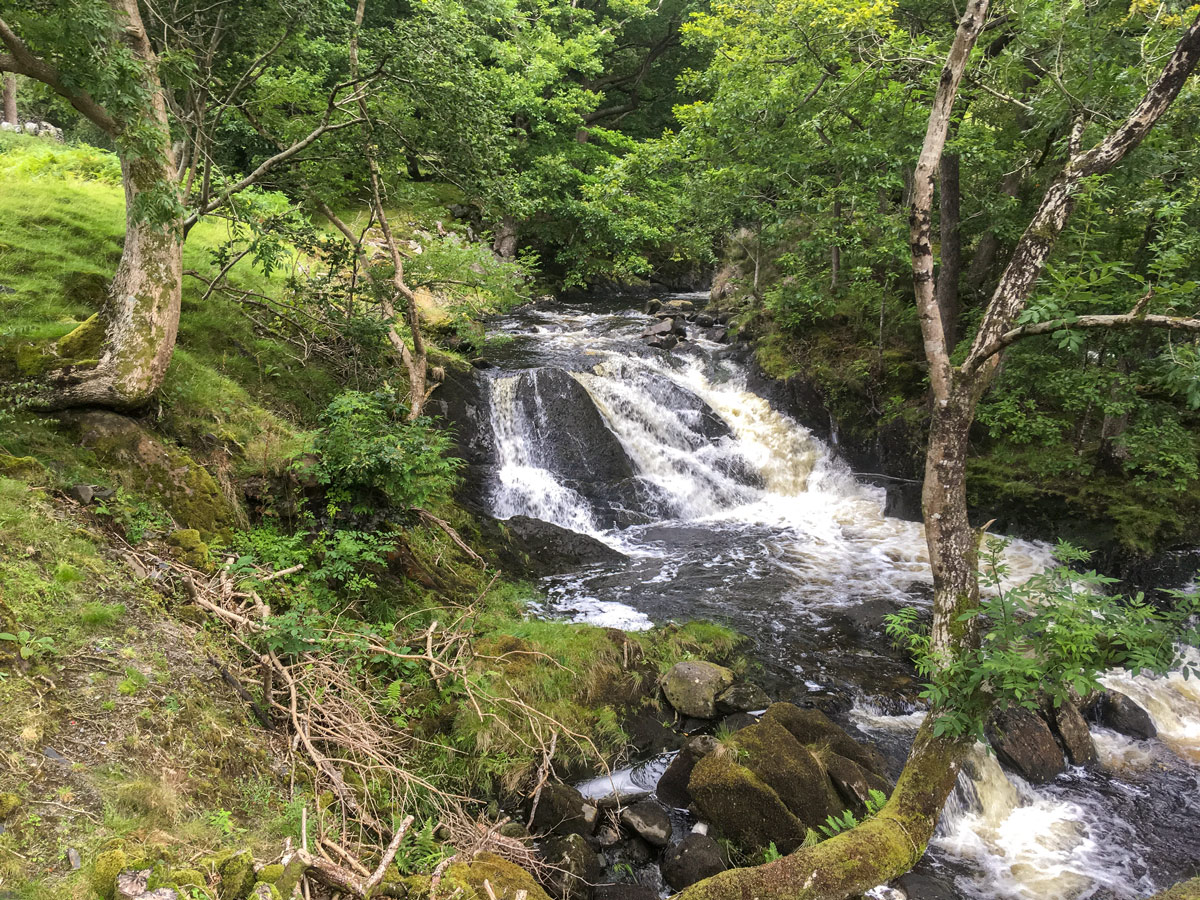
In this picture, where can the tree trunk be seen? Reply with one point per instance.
(505, 242)
(10, 98)
(949, 203)
(140, 319)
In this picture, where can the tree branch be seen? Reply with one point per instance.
(1029, 257)
(22, 61)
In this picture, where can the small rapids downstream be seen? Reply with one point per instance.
(726, 509)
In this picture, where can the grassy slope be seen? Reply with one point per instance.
(162, 756)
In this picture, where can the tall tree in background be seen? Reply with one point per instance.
(9, 84)
(892, 842)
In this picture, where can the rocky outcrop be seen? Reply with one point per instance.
(1074, 734)
(693, 859)
(1024, 743)
(692, 687)
(551, 549)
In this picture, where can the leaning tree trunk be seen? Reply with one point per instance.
(118, 358)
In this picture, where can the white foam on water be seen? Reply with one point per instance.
(1172, 701)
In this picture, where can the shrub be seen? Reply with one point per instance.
(367, 453)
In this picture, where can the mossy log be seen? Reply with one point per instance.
(884, 847)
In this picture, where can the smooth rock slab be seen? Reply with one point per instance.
(649, 820)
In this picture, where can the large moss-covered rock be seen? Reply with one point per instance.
(742, 807)
(814, 729)
(692, 687)
(506, 880)
(24, 467)
(105, 869)
(772, 753)
(154, 470)
(852, 782)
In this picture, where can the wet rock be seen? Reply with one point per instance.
(81, 493)
(653, 305)
(577, 867)
(1122, 714)
(679, 306)
(650, 735)
(692, 687)
(659, 328)
(132, 883)
(704, 320)
(743, 696)
(811, 727)
(1025, 744)
(552, 549)
(693, 859)
(649, 820)
(736, 722)
(852, 782)
(624, 892)
(1074, 734)
(562, 810)
(672, 787)
(664, 342)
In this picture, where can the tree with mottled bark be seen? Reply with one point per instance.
(890, 843)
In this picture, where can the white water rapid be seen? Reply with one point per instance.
(728, 509)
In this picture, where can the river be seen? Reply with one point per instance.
(726, 509)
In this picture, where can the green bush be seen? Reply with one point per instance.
(367, 453)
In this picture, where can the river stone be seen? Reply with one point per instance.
(650, 735)
(562, 810)
(1075, 735)
(649, 820)
(552, 550)
(672, 786)
(659, 328)
(692, 687)
(852, 782)
(577, 867)
(741, 806)
(624, 892)
(1122, 714)
(693, 859)
(132, 883)
(743, 696)
(813, 728)
(1024, 743)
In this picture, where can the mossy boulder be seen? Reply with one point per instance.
(814, 729)
(237, 876)
(155, 471)
(189, 548)
(465, 880)
(105, 869)
(83, 342)
(9, 804)
(772, 753)
(692, 687)
(742, 807)
(852, 782)
(24, 467)
(271, 874)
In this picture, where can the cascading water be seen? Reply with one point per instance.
(727, 509)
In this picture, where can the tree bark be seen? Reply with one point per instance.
(504, 244)
(10, 98)
(949, 203)
(141, 316)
